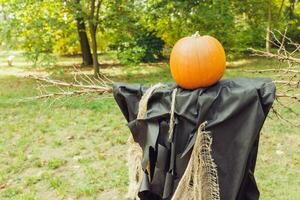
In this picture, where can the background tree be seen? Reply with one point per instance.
(87, 58)
(139, 30)
(269, 29)
(93, 18)
(42, 29)
(132, 39)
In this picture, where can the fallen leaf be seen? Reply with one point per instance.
(71, 137)
(3, 185)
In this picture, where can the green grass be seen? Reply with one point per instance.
(75, 148)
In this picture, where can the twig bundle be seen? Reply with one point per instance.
(288, 84)
(82, 84)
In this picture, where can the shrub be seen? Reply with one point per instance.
(143, 47)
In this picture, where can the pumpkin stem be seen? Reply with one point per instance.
(196, 34)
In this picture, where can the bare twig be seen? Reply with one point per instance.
(271, 70)
(88, 86)
(279, 116)
(293, 96)
(297, 83)
(66, 84)
(286, 106)
(69, 93)
(279, 57)
(289, 81)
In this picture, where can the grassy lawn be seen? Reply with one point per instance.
(75, 148)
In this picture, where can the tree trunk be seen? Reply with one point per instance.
(292, 9)
(84, 42)
(268, 35)
(94, 47)
(281, 7)
(83, 39)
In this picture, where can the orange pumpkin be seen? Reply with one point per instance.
(197, 61)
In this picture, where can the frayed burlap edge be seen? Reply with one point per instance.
(172, 110)
(135, 153)
(200, 180)
(143, 105)
(135, 171)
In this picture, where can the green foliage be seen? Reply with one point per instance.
(140, 29)
(133, 40)
(175, 19)
(237, 24)
(130, 53)
(40, 28)
(40, 59)
(152, 44)
(56, 163)
(144, 47)
(11, 192)
(293, 21)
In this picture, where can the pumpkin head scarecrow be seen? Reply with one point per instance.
(181, 145)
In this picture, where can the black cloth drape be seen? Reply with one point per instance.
(235, 110)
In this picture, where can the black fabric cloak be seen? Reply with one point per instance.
(235, 110)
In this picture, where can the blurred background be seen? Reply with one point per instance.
(138, 31)
(74, 147)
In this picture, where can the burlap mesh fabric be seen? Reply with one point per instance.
(135, 171)
(200, 180)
